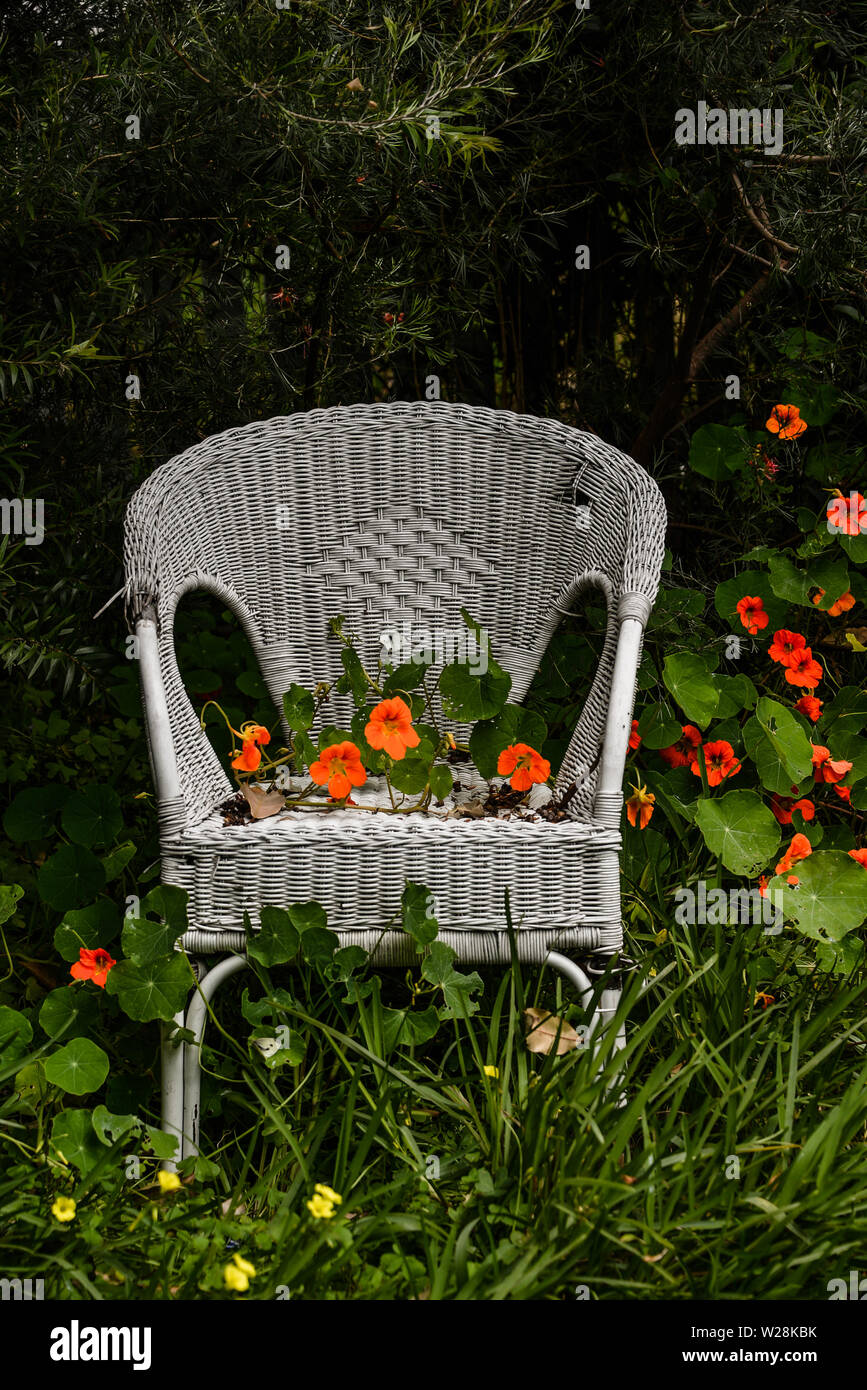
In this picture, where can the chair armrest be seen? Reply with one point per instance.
(156, 713)
(633, 612)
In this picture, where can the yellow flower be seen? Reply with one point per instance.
(64, 1208)
(235, 1279)
(492, 1071)
(169, 1182)
(248, 1270)
(320, 1207)
(328, 1193)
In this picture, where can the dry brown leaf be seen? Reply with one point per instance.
(263, 804)
(355, 85)
(542, 1029)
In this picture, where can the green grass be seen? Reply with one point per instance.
(735, 1168)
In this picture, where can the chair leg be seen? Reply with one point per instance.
(197, 1015)
(606, 1007)
(172, 1067)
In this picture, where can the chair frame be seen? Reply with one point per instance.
(630, 588)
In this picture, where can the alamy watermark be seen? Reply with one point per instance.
(401, 645)
(23, 516)
(699, 904)
(737, 126)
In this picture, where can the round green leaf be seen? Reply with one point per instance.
(69, 1012)
(830, 898)
(70, 878)
(657, 728)
(468, 697)
(92, 816)
(740, 830)
(15, 1034)
(156, 988)
(690, 680)
(87, 927)
(441, 781)
(277, 939)
(77, 1068)
(410, 775)
(717, 451)
(32, 814)
(73, 1140)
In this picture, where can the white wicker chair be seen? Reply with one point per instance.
(396, 513)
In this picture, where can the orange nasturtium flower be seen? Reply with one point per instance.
(635, 736)
(250, 735)
(752, 614)
(840, 605)
(92, 965)
(804, 670)
(798, 849)
(810, 706)
(786, 646)
(860, 857)
(523, 766)
(848, 514)
(720, 761)
(826, 768)
(390, 728)
(784, 806)
(341, 767)
(785, 420)
(682, 753)
(639, 806)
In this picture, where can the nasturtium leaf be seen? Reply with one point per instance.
(855, 547)
(70, 878)
(441, 781)
(830, 898)
(318, 945)
(116, 861)
(168, 901)
(410, 775)
(69, 1012)
(514, 724)
(77, 1068)
(417, 914)
(840, 957)
(735, 693)
(408, 1027)
(799, 585)
(438, 968)
(306, 751)
(277, 939)
(739, 829)
(405, 678)
(15, 1035)
(657, 727)
(109, 1128)
(73, 1140)
(353, 680)
(10, 894)
(164, 1145)
(88, 927)
(847, 712)
(155, 988)
(778, 746)
(818, 401)
(144, 939)
(845, 744)
(92, 816)
(752, 584)
(468, 696)
(32, 814)
(298, 707)
(717, 452)
(689, 678)
(802, 343)
(307, 915)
